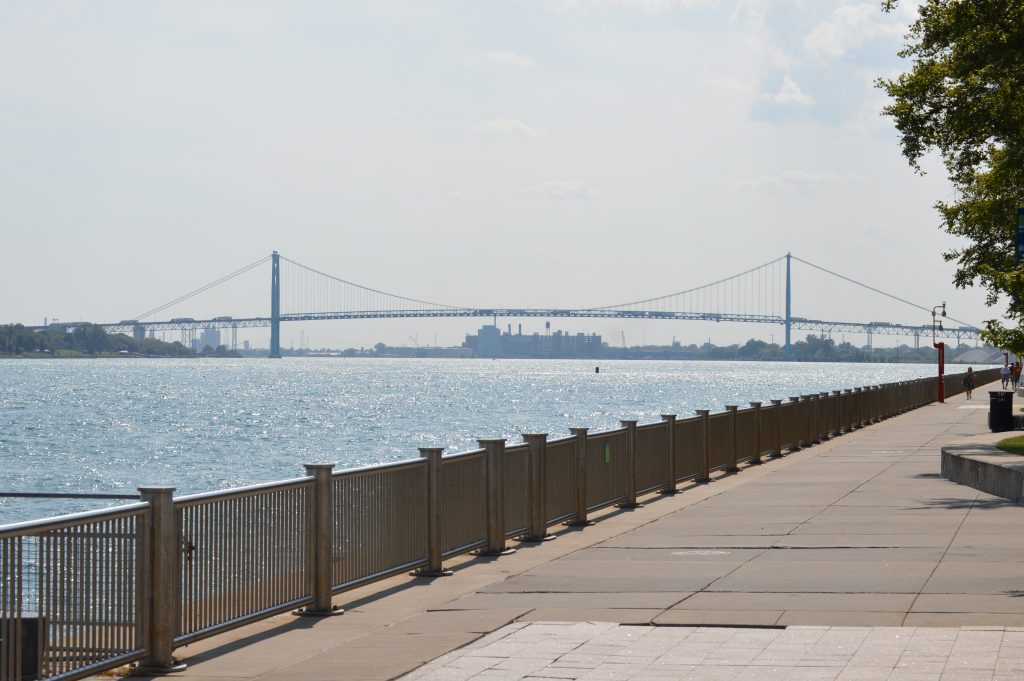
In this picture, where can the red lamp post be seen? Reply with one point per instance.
(941, 347)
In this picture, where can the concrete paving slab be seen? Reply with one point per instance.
(937, 540)
(967, 578)
(762, 618)
(617, 615)
(462, 621)
(951, 619)
(1012, 603)
(810, 602)
(575, 601)
(860, 618)
(892, 554)
(734, 541)
(826, 577)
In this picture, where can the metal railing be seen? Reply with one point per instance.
(71, 593)
(87, 592)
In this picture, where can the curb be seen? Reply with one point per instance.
(986, 468)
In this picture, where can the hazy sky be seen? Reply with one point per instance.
(517, 153)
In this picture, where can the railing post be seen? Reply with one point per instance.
(851, 408)
(812, 419)
(758, 433)
(435, 490)
(795, 401)
(807, 407)
(630, 426)
(837, 425)
(538, 488)
(495, 457)
(731, 408)
(160, 585)
(704, 475)
(320, 541)
(777, 449)
(822, 416)
(581, 478)
(670, 454)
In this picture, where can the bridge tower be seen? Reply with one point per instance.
(275, 306)
(789, 307)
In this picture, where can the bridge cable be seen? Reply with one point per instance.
(872, 288)
(373, 290)
(201, 289)
(703, 287)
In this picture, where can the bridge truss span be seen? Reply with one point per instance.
(759, 295)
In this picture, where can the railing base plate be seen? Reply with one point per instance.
(488, 552)
(422, 572)
(308, 612)
(537, 540)
(173, 667)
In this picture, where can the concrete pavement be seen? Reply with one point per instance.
(857, 533)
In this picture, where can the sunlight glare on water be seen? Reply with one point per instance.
(111, 425)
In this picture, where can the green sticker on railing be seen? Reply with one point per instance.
(607, 451)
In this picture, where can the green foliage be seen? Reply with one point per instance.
(811, 349)
(84, 340)
(964, 98)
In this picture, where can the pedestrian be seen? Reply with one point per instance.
(1004, 375)
(969, 382)
(1016, 374)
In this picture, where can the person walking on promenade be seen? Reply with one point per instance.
(969, 382)
(1004, 375)
(1015, 374)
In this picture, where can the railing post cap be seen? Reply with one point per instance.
(577, 431)
(318, 466)
(668, 417)
(428, 450)
(627, 422)
(492, 441)
(702, 412)
(776, 401)
(156, 489)
(731, 407)
(755, 405)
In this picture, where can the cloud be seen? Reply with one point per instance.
(507, 59)
(563, 189)
(723, 82)
(790, 93)
(650, 6)
(506, 127)
(847, 29)
(797, 179)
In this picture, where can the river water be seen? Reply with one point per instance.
(111, 425)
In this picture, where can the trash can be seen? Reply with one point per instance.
(1000, 410)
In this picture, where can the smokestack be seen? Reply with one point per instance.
(520, 329)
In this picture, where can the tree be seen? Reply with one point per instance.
(964, 98)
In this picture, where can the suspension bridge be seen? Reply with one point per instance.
(761, 295)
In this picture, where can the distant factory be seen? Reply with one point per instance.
(490, 341)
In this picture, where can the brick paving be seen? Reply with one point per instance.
(602, 651)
